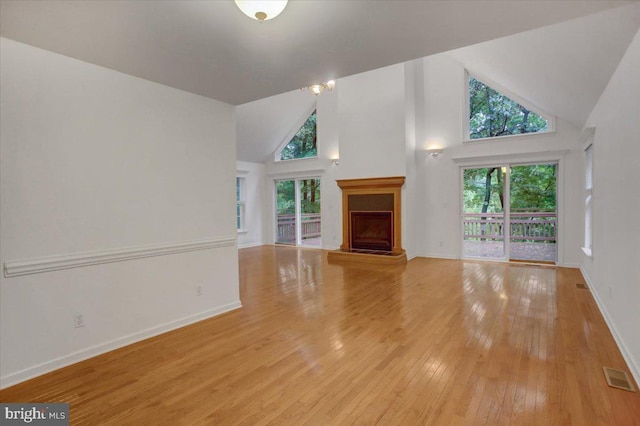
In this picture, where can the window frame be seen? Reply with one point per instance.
(588, 196)
(466, 129)
(241, 202)
(293, 132)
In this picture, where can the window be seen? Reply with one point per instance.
(240, 203)
(493, 114)
(588, 201)
(304, 142)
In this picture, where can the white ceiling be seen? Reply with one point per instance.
(562, 69)
(212, 49)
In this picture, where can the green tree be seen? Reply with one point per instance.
(493, 114)
(305, 142)
(286, 197)
(533, 188)
(309, 196)
(483, 190)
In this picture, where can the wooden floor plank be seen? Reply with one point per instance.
(433, 341)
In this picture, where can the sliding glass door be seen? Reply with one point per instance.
(483, 213)
(286, 223)
(298, 211)
(510, 212)
(533, 212)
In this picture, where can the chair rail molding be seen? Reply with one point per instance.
(54, 263)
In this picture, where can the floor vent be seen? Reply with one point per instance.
(618, 379)
(582, 286)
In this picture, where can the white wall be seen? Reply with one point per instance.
(255, 184)
(93, 160)
(438, 230)
(373, 134)
(613, 273)
(414, 107)
(371, 114)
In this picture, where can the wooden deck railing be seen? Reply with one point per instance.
(286, 229)
(525, 226)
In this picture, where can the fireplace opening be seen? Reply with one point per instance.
(372, 230)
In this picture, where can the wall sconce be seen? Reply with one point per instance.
(316, 89)
(434, 152)
(335, 161)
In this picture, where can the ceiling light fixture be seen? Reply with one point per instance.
(316, 89)
(261, 10)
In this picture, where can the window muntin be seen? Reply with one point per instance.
(493, 114)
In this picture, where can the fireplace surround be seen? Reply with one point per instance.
(371, 220)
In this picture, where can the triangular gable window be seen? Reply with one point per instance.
(304, 143)
(493, 114)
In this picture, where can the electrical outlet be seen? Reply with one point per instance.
(78, 320)
(199, 290)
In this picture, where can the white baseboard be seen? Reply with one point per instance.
(437, 256)
(631, 362)
(46, 367)
(247, 245)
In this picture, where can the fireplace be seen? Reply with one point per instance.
(371, 220)
(372, 230)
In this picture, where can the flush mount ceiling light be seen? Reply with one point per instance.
(316, 89)
(261, 10)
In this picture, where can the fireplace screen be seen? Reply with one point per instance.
(372, 230)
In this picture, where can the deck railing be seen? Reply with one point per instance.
(525, 226)
(286, 229)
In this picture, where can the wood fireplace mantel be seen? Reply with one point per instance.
(390, 188)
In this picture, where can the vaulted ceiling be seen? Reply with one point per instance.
(557, 54)
(561, 68)
(212, 49)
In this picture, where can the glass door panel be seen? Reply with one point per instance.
(483, 212)
(310, 211)
(533, 213)
(286, 223)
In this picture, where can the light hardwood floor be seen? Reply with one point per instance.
(432, 342)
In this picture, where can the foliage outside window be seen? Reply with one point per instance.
(298, 211)
(492, 114)
(309, 196)
(484, 190)
(304, 143)
(533, 189)
(240, 203)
